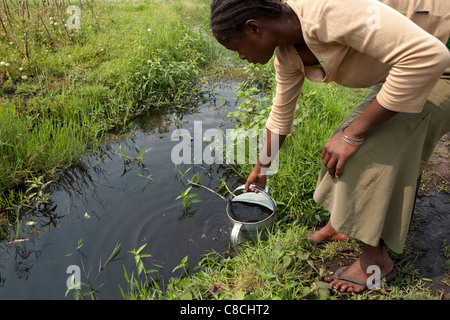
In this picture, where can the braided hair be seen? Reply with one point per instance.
(228, 17)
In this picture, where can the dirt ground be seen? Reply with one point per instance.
(430, 232)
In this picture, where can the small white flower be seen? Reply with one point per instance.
(7, 64)
(24, 77)
(20, 69)
(11, 43)
(2, 63)
(149, 30)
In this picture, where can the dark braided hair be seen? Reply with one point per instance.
(229, 16)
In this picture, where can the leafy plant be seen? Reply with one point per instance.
(138, 256)
(149, 289)
(35, 192)
(187, 198)
(195, 181)
(183, 265)
(253, 108)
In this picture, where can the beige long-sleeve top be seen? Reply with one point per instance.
(360, 43)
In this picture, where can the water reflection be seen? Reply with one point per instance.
(124, 193)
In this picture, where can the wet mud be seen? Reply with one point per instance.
(430, 232)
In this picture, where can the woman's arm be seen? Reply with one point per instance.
(337, 150)
(279, 124)
(272, 145)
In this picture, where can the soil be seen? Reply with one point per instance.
(430, 231)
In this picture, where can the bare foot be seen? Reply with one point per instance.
(377, 256)
(327, 233)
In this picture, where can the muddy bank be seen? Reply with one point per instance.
(429, 239)
(430, 233)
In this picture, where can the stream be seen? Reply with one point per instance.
(125, 194)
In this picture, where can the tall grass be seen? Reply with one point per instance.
(25, 143)
(63, 89)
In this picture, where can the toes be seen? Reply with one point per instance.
(342, 287)
(339, 285)
(345, 287)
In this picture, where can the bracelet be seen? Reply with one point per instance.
(352, 141)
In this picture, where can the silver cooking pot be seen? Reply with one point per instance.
(242, 230)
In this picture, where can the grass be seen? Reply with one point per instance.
(268, 271)
(63, 90)
(283, 267)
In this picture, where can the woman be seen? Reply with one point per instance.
(372, 163)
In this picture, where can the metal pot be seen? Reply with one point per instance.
(242, 230)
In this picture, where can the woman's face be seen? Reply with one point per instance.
(256, 46)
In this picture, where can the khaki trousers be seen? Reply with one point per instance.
(374, 198)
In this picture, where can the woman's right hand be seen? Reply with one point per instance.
(256, 178)
(258, 175)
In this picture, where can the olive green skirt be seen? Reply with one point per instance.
(374, 197)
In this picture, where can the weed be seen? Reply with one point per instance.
(91, 284)
(187, 198)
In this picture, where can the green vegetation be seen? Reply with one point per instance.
(63, 91)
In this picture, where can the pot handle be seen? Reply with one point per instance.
(235, 234)
(260, 190)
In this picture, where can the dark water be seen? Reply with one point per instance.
(248, 212)
(113, 198)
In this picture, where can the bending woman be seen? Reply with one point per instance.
(372, 162)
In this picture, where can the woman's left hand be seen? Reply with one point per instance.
(335, 153)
